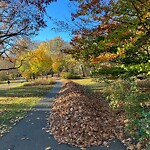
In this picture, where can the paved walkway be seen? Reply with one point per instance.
(28, 134)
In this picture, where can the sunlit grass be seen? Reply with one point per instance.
(87, 81)
(89, 84)
(12, 85)
(16, 101)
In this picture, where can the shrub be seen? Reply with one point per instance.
(143, 126)
(125, 94)
(136, 69)
(116, 92)
(40, 82)
(113, 71)
(68, 75)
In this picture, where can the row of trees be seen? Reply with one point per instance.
(46, 59)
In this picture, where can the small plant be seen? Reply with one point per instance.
(112, 72)
(144, 125)
(68, 75)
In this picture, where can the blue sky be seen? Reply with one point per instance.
(57, 10)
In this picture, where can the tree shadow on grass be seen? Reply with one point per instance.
(15, 106)
(25, 91)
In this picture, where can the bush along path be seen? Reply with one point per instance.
(31, 133)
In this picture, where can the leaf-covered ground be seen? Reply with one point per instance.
(83, 120)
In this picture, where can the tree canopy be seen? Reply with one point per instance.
(46, 59)
(117, 31)
(20, 19)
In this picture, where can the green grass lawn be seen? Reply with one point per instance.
(16, 100)
(88, 83)
(91, 85)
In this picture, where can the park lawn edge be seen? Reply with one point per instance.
(14, 108)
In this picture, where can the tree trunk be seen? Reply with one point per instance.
(83, 72)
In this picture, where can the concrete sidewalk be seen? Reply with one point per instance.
(29, 133)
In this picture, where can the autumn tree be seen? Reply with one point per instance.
(54, 47)
(114, 31)
(7, 74)
(47, 58)
(35, 63)
(23, 46)
(20, 19)
(42, 62)
(25, 68)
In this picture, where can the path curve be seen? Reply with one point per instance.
(29, 133)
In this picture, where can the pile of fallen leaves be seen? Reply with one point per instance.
(82, 119)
